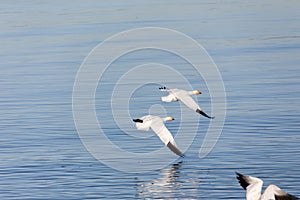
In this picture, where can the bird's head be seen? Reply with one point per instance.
(170, 118)
(197, 92)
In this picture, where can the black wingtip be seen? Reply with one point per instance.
(204, 114)
(241, 178)
(238, 174)
(287, 197)
(138, 120)
(174, 148)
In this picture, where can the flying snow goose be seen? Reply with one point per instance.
(185, 97)
(253, 186)
(157, 125)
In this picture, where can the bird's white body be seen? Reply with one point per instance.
(156, 123)
(185, 97)
(253, 187)
(145, 126)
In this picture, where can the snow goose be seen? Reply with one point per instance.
(185, 97)
(253, 187)
(157, 125)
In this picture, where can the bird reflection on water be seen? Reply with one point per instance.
(162, 186)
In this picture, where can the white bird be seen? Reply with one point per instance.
(157, 125)
(185, 97)
(253, 186)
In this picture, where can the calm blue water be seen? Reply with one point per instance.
(255, 45)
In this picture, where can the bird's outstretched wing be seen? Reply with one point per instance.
(186, 99)
(172, 146)
(273, 191)
(164, 134)
(252, 185)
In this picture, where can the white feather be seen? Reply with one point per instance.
(157, 125)
(253, 190)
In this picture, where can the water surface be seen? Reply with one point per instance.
(255, 45)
